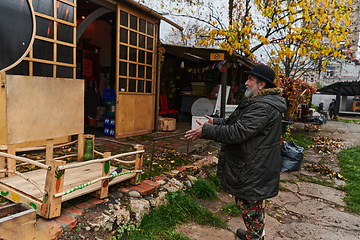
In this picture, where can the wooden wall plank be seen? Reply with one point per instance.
(42, 108)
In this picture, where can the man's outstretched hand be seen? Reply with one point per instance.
(197, 132)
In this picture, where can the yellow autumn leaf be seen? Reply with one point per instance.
(350, 2)
(162, 6)
(327, 4)
(347, 23)
(272, 25)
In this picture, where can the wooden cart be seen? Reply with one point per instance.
(42, 108)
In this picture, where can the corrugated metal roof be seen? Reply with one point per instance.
(344, 88)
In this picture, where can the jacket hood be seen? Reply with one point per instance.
(271, 96)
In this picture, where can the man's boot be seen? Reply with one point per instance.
(241, 233)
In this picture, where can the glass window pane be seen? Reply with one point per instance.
(141, 56)
(150, 29)
(133, 22)
(148, 72)
(141, 86)
(141, 71)
(122, 84)
(65, 33)
(133, 54)
(149, 44)
(123, 52)
(142, 25)
(133, 38)
(65, 12)
(148, 86)
(141, 41)
(21, 69)
(43, 50)
(149, 57)
(44, 27)
(64, 72)
(64, 54)
(44, 7)
(123, 35)
(132, 70)
(123, 69)
(124, 18)
(42, 69)
(132, 85)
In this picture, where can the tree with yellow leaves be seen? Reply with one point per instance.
(295, 32)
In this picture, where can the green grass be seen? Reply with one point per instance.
(203, 189)
(354, 121)
(160, 223)
(231, 210)
(350, 169)
(215, 181)
(302, 140)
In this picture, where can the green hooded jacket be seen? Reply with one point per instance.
(250, 158)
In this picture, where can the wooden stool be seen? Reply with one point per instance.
(167, 124)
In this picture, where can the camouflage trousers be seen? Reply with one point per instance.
(253, 214)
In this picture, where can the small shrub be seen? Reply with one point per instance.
(203, 189)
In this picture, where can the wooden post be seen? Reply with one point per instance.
(2, 166)
(11, 163)
(81, 142)
(54, 184)
(138, 164)
(49, 150)
(92, 137)
(105, 183)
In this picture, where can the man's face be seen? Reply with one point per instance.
(251, 86)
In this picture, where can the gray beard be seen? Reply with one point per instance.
(249, 93)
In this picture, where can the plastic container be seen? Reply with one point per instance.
(109, 94)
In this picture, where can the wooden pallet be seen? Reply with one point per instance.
(56, 182)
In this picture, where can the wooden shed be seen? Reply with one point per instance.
(75, 45)
(51, 67)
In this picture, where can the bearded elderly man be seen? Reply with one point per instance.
(250, 159)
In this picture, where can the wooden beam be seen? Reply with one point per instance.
(54, 184)
(138, 164)
(105, 172)
(11, 163)
(17, 196)
(81, 142)
(49, 150)
(2, 166)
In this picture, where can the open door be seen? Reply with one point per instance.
(135, 72)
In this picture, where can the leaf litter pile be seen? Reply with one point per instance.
(324, 170)
(326, 145)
